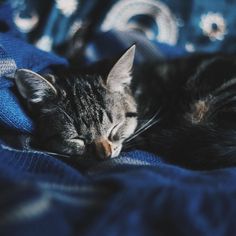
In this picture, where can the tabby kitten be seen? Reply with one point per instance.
(80, 114)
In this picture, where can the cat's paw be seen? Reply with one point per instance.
(71, 147)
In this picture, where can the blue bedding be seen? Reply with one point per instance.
(134, 194)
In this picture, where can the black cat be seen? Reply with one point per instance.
(196, 100)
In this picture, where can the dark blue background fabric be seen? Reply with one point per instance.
(192, 25)
(134, 194)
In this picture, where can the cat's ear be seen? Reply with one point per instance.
(33, 86)
(120, 74)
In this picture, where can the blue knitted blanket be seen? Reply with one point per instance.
(134, 194)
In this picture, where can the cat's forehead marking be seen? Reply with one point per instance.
(96, 109)
(91, 107)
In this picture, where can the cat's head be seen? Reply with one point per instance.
(80, 114)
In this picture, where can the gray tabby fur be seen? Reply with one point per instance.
(81, 114)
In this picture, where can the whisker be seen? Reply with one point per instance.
(141, 131)
(56, 154)
(147, 122)
(145, 126)
(134, 143)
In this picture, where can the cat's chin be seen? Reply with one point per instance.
(116, 151)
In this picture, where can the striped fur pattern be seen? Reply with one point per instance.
(82, 114)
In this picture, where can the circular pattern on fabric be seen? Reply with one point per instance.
(45, 43)
(189, 47)
(67, 7)
(151, 17)
(26, 24)
(213, 26)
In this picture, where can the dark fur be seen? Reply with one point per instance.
(197, 98)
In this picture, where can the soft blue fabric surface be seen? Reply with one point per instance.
(135, 194)
(14, 53)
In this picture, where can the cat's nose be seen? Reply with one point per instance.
(103, 148)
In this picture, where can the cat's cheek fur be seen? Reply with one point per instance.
(127, 130)
(129, 127)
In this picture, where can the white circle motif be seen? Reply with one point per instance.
(44, 43)
(189, 47)
(207, 23)
(120, 14)
(67, 7)
(25, 25)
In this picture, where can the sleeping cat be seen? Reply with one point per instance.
(81, 114)
(183, 110)
(196, 100)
